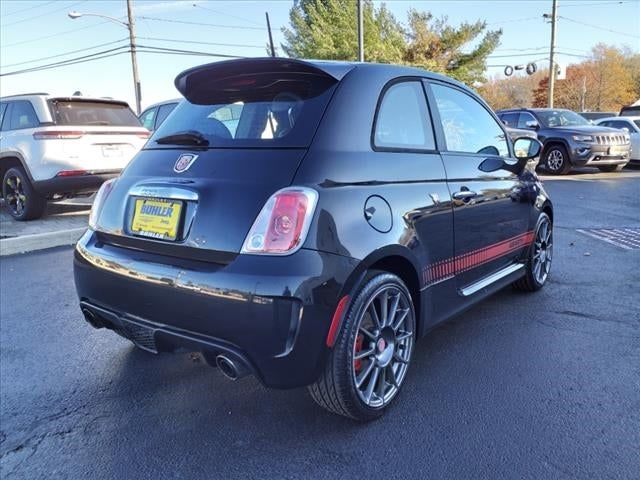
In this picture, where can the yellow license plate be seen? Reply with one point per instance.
(156, 218)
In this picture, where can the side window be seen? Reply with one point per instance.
(3, 109)
(163, 112)
(147, 118)
(468, 126)
(525, 117)
(22, 115)
(403, 119)
(509, 119)
(619, 124)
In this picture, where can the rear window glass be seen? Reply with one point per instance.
(259, 110)
(70, 112)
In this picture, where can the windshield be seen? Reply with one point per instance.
(560, 118)
(259, 110)
(86, 113)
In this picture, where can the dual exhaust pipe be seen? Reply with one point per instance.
(231, 366)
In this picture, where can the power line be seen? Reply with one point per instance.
(43, 14)
(64, 53)
(114, 52)
(175, 40)
(226, 14)
(514, 20)
(97, 56)
(59, 34)
(598, 27)
(30, 8)
(620, 2)
(183, 22)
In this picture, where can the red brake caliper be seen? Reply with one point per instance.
(357, 364)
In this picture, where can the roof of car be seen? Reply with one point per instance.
(68, 98)
(523, 109)
(631, 118)
(164, 102)
(336, 69)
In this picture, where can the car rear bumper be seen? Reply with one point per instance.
(86, 183)
(272, 313)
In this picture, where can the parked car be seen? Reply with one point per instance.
(632, 110)
(630, 125)
(571, 141)
(354, 207)
(593, 116)
(61, 147)
(152, 117)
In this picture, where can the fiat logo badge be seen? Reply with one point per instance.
(184, 162)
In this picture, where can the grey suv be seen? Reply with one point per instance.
(570, 140)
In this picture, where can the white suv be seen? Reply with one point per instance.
(61, 147)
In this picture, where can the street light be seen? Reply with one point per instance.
(130, 25)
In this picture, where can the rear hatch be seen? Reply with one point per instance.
(212, 165)
(99, 134)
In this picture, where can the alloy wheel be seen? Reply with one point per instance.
(542, 252)
(15, 197)
(383, 346)
(555, 159)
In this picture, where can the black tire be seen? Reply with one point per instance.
(20, 198)
(611, 168)
(532, 282)
(336, 390)
(556, 160)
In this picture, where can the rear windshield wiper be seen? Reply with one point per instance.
(184, 138)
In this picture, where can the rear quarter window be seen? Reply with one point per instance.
(403, 120)
(22, 115)
(88, 113)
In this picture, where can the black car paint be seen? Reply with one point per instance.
(273, 311)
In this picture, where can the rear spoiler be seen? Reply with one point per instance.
(190, 81)
(88, 99)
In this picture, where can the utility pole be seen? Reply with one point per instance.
(273, 50)
(360, 33)
(552, 62)
(134, 61)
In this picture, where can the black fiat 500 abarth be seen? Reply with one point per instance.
(307, 222)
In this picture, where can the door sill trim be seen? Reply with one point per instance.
(494, 277)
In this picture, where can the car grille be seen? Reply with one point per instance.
(142, 336)
(610, 139)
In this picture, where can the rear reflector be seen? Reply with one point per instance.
(57, 134)
(143, 134)
(336, 321)
(71, 173)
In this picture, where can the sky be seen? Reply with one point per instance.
(39, 32)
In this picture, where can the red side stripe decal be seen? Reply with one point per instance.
(446, 268)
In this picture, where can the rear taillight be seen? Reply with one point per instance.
(143, 134)
(98, 202)
(57, 134)
(283, 222)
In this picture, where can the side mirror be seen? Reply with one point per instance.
(533, 124)
(526, 148)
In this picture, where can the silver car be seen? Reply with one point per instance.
(632, 126)
(61, 147)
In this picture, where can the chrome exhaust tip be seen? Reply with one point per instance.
(230, 367)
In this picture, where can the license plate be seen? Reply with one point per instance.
(616, 150)
(111, 151)
(156, 218)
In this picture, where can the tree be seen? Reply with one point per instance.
(510, 92)
(327, 29)
(436, 46)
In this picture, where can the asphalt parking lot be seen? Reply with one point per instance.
(522, 386)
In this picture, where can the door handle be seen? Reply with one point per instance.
(464, 195)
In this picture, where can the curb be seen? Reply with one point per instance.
(39, 241)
